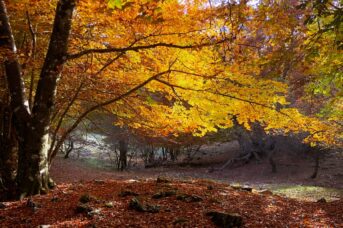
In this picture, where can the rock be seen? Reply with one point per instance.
(2, 205)
(266, 192)
(86, 198)
(33, 205)
(321, 200)
(162, 180)
(127, 193)
(132, 181)
(236, 187)
(99, 181)
(180, 221)
(152, 208)
(189, 198)
(83, 208)
(242, 188)
(247, 188)
(55, 199)
(109, 204)
(94, 212)
(51, 183)
(167, 186)
(225, 220)
(136, 205)
(30, 203)
(160, 195)
(44, 226)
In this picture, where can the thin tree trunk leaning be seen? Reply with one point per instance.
(69, 148)
(32, 128)
(316, 167)
(316, 161)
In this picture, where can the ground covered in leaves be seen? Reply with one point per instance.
(164, 203)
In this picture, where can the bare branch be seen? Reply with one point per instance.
(63, 115)
(100, 105)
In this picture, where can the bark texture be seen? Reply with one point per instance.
(8, 153)
(32, 128)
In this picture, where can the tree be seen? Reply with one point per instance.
(33, 124)
(207, 93)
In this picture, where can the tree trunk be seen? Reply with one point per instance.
(251, 142)
(16, 113)
(8, 154)
(69, 149)
(316, 165)
(272, 162)
(32, 129)
(254, 144)
(123, 146)
(33, 166)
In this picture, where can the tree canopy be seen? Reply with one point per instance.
(169, 68)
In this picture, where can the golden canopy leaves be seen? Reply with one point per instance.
(220, 62)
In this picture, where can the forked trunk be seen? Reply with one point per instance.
(32, 125)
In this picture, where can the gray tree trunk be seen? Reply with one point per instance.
(32, 128)
(253, 144)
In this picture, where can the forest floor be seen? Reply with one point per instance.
(292, 178)
(173, 204)
(186, 197)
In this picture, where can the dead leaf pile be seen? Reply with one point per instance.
(176, 204)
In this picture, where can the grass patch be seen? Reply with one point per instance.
(308, 193)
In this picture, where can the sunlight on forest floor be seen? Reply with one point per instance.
(300, 191)
(307, 193)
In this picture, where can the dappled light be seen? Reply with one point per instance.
(168, 113)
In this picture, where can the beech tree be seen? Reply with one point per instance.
(32, 125)
(164, 68)
(32, 118)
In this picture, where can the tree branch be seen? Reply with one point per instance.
(100, 105)
(15, 82)
(33, 57)
(223, 95)
(63, 115)
(141, 47)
